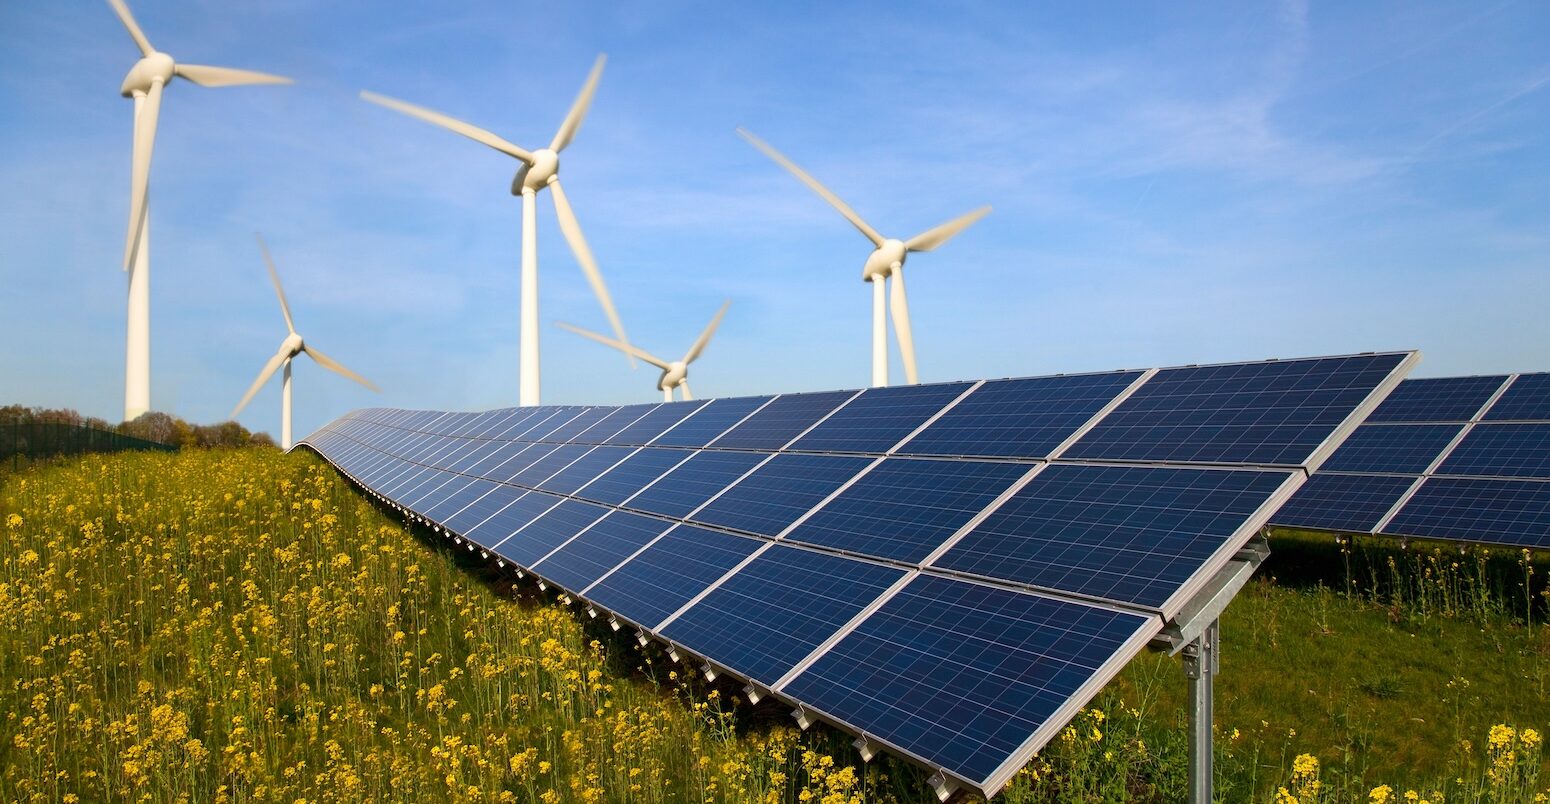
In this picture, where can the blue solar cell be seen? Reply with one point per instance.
(633, 474)
(406, 480)
(599, 549)
(1509, 512)
(472, 456)
(776, 610)
(1392, 448)
(466, 519)
(905, 508)
(669, 573)
(879, 418)
(962, 674)
(568, 431)
(471, 489)
(1019, 418)
(693, 482)
(1123, 533)
(1502, 450)
(507, 521)
(544, 534)
(781, 420)
(779, 492)
(1347, 503)
(585, 469)
(1437, 399)
(709, 422)
(542, 421)
(1258, 413)
(1527, 399)
(615, 421)
(433, 492)
(654, 423)
(563, 416)
(545, 467)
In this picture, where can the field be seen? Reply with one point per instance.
(239, 625)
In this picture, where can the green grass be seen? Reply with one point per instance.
(240, 624)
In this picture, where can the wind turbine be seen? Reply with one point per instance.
(538, 169)
(292, 346)
(145, 83)
(885, 262)
(675, 374)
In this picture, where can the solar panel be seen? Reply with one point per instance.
(1123, 533)
(1492, 437)
(1023, 418)
(880, 418)
(772, 613)
(905, 508)
(779, 492)
(982, 570)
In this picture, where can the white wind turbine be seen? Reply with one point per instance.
(292, 346)
(538, 169)
(885, 262)
(145, 83)
(675, 374)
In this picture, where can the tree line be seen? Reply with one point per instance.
(153, 426)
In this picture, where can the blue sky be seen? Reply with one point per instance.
(1171, 185)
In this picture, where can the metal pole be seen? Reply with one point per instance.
(1200, 667)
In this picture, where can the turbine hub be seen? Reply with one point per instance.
(880, 263)
(676, 373)
(293, 344)
(157, 65)
(535, 177)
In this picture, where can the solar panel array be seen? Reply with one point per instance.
(950, 571)
(1455, 458)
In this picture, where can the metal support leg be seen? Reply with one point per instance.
(1200, 667)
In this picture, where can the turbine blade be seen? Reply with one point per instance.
(578, 245)
(207, 76)
(134, 27)
(140, 170)
(338, 368)
(899, 308)
(700, 342)
(834, 200)
(931, 238)
(263, 377)
(578, 109)
(684, 386)
(472, 132)
(274, 276)
(629, 349)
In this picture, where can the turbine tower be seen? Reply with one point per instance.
(539, 169)
(292, 346)
(675, 374)
(145, 83)
(885, 262)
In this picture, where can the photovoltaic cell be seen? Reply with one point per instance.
(482, 508)
(779, 492)
(1024, 418)
(709, 422)
(782, 420)
(469, 490)
(1437, 399)
(1511, 512)
(1254, 413)
(549, 531)
(615, 421)
(1392, 448)
(507, 521)
(653, 424)
(1123, 533)
(585, 469)
(771, 614)
(514, 466)
(1349, 503)
(880, 418)
(631, 475)
(693, 482)
(962, 674)
(905, 508)
(543, 468)
(1504, 450)
(669, 573)
(599, 549)
(1527, 399)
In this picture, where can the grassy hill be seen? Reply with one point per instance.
(242, 626)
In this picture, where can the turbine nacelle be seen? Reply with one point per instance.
(155, 66)
(673, 376)
(538, 174)
(881, 262)
(293, 345)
